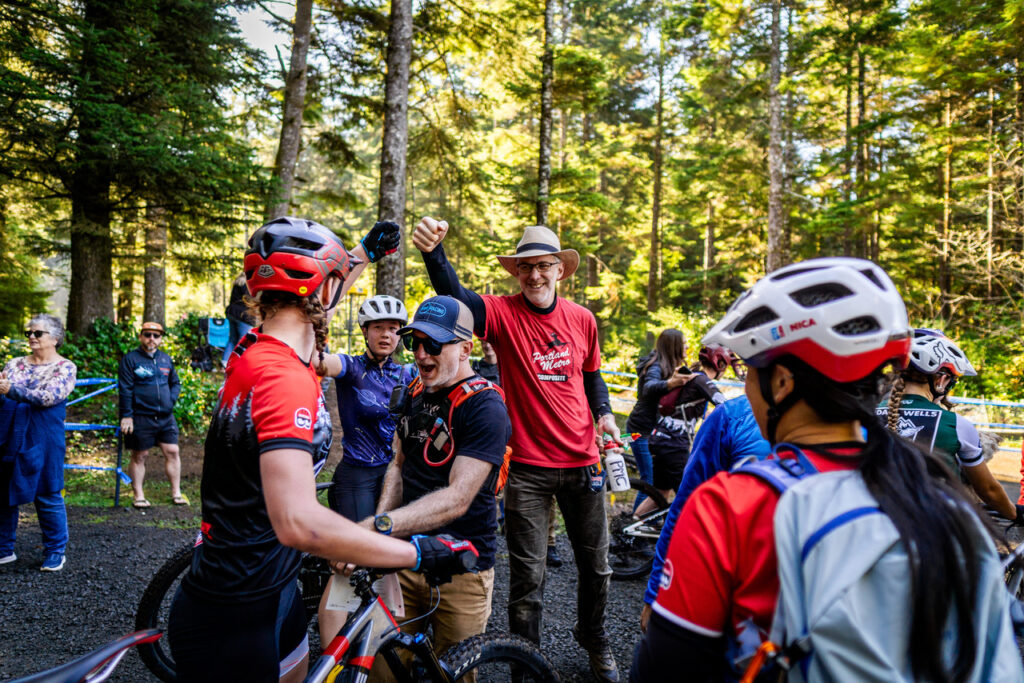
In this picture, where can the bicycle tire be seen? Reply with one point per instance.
(152, 612)
(630, 557)
(497, 653)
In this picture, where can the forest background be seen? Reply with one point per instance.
(683, 148)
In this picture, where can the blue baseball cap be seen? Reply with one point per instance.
(442, 318)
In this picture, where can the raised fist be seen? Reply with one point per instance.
(429, 233)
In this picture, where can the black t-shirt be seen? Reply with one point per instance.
(480, 429)
(270, 400)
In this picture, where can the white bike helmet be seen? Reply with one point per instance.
(382, 307)
(841, 316)
(931, 352)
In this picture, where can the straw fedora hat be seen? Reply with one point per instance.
(540, 241)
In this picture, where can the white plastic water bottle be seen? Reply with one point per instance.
(618, 478)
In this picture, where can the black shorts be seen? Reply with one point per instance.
(235, 641)
(668, 468)
(356, 490)
(149, 430)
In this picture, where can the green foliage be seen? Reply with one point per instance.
(197, 399)
(98, 353)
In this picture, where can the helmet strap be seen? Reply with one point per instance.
(775, 410)
(940, 393)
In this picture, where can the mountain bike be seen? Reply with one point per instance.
(631, 540)
(371, 630)
(154, 607)
(98, 664)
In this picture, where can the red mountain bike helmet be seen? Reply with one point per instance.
(715, 356)
(294, 255)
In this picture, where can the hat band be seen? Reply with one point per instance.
(538, 246)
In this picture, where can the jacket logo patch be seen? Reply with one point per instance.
(144, 371)
(303, 420)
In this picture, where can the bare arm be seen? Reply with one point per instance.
(443, 505)
(989, 490)
(391, 489)
(300, 521)
(333, 364)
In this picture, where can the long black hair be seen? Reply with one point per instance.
(937, 523)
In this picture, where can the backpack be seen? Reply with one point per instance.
(406, 406)
(844, 590)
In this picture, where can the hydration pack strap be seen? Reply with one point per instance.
(780, 473)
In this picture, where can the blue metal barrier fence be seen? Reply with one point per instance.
(105, 384)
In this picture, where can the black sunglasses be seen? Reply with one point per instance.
(152, 335)
(35, 333)
(431, 346)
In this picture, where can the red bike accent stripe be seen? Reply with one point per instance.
(337, 647)
(388, 612)
(362, 662)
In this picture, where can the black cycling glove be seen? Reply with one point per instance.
(382, 240)
(439, 558)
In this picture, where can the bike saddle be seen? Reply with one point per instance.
(77, 670)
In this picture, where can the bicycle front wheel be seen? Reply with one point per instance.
(154, 609)
(631, 540)
(492, 657)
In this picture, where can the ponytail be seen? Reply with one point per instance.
(270, 302)
(892, 417)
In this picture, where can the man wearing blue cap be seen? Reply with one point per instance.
(450, 455)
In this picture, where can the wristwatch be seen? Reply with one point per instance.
(383, 524)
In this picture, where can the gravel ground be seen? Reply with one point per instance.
(47, 619)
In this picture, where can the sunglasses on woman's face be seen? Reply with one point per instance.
(152, 335)
(430, 346)
(35, 333)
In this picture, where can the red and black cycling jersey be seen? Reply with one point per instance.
(270, 400)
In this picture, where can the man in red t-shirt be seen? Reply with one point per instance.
(549, 361)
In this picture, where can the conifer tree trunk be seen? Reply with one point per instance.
(774, 258)
(547, 75)
(863, 235)
(654, 255)
(947, 181)
(126, 279)
(155, 277)
(91, 294)
(394, 143)
(291, 118)
(990, 191)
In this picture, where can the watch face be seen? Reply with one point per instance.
(382, 523)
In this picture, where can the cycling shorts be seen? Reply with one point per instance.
(257, 640)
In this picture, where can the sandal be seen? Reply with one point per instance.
(141, 503)
(181, 499)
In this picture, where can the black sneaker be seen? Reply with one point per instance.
(554, 559)
(602, 661)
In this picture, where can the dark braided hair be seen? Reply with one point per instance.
(937, 523)
(892, 416)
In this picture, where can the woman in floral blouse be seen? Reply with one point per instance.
(33, 398)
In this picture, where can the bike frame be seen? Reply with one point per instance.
(371, 630)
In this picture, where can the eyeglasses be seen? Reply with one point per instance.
(542, 267)
(35, 333)
(152, 335)
(432, 347)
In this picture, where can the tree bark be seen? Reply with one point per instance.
(544, 155)
(394, 143)
(990, 191)
(291, 119)
(91, 294)
(863, 238)
(155, 278)
(126, 279)
(947, 182)
(774, 258)
(654, 255)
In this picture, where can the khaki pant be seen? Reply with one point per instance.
(463, 611)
